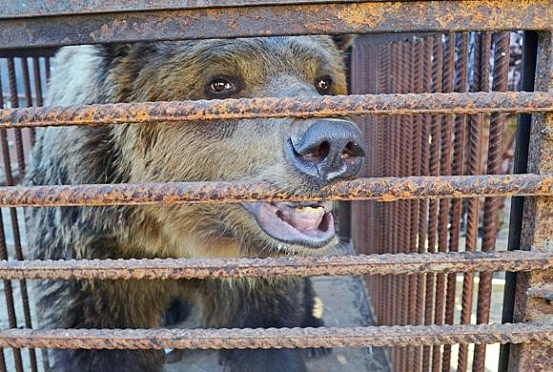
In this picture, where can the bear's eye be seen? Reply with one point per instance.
(221, 87)
(324, 85)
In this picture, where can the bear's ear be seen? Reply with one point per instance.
(343, 42)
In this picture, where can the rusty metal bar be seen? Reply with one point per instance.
(416, 87)
(3, 367)
(30, 8)
(481, 71)
(383, 134)
(297, 107)
(458, 168)
(446, 135)
(239, 21)
(14, 100)
(9, 298)
(39, 102)
(10, 182)
(424, 205)
(491, 205)
(537, 232)
(417, 218)
(274, 337)
(7, 285)
(434, 169)
(520, 165)
(382, 189)
(384, 264)
(407, 128)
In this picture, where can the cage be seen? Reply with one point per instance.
(450, 224)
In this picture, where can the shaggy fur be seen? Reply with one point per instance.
(203, 151)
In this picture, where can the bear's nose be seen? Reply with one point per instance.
(329, 150)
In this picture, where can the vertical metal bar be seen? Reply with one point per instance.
(481, 71)
(459, 147)
(435, 132)
(491, 205)
(26, 82)
(445, 169)
(27, 90)
(3, 367)
(419, 208)
(396, 140)
(537, 231)
(11, 182)
(40, 102)
(384, 68)
(38, 90)
(344, 208)
(388, 171)
(8, 289)
(405, 206)
(424, 312)
(529, 54)
(47, 66)
(14, 100)
(415, 82)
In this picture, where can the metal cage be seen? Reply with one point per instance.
(431, 77)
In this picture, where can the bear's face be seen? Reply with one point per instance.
(297, 155)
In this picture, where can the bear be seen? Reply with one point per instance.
(298, 155)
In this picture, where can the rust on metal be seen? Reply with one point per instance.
(491, 205)
(297, 107)
(382, 189)
(384, 264)
(7, 285)
(33, 8)
(273, 19)
(458, 168)
(480, 82)
(274, 337)
(537, 227)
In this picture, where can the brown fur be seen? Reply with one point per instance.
(203, 151)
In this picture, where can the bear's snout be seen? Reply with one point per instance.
(329, 150)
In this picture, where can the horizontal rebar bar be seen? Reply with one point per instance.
(381, 189)
(296, 107)
(384, 264)
(178, 20)
(275, 337)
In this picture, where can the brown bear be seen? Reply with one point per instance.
(297, 155)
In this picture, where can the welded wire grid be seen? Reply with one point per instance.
(412, 144)
(436, 145)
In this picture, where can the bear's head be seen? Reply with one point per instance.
(296, 155)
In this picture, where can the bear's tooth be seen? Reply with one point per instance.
(310, 210)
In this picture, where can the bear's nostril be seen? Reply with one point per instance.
(319, 154)
(330, 149)
(352, 150)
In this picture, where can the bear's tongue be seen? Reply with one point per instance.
(302, 218)
(310, 225)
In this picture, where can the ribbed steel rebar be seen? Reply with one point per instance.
(297, 107)
(380, 264)
(274, 337)
(481, 72)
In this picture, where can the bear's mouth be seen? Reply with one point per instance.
(308, 224)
